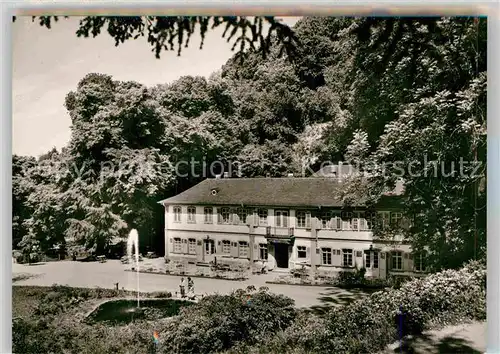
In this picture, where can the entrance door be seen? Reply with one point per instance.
(208, 250)
(281, 255)
(372, 262)
(209, 247)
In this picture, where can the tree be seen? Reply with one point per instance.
(377, 91)
(165, 33)
(22, 187)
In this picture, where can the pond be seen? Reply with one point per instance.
(116, 312)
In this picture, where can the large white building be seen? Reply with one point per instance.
(289, 222)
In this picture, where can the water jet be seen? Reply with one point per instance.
(133, 243)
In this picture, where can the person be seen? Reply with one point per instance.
(183, 287)
(263, 269)
(190, 286)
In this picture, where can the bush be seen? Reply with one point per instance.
(370, 324)
(219, 322)
(357, 279)
(266, 324)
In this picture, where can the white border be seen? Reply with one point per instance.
(6, 187)
(493, 184)
(279, 8)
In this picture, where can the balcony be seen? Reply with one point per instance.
(280, 233)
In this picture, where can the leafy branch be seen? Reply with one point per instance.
(169, 33)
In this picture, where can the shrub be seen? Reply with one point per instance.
(357, 279)
(219, 322)
(370, 324)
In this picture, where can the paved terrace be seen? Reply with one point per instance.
(105, 275)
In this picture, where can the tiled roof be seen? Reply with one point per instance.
(292, 191)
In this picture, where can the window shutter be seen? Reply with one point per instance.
(285, 220)
(339, 223)
(236, 219)
(219, 216)
(362, 224)
(308, 220)
(184, 245)
(234, 249)
(308, 252)
(331, 223)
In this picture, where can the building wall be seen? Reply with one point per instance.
(310, 238)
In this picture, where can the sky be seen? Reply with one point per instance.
(48, 64)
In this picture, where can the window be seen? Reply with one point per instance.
(177, 214)
(301, 252)
(397, 260)
(337, 221)
(370, 217)
(396, 219)
(384, 219)
(281, 217)
(326, 256)
(225, 216)
(346, 220)
(208, 212)
(355, 223)
(347, 259)
(263, 251)
(226, 246)
(324, 219)
(242, 215)
(419, 262)
(192, 246)
(177, 245)
(191, 214)
(262, 216)
(303, 219)
(243, 249)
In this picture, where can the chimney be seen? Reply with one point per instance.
(226, 174)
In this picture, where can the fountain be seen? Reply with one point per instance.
(122, 311)
(133, 242)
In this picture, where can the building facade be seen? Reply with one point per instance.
(285, 222)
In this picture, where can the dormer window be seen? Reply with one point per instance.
(214, 191)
